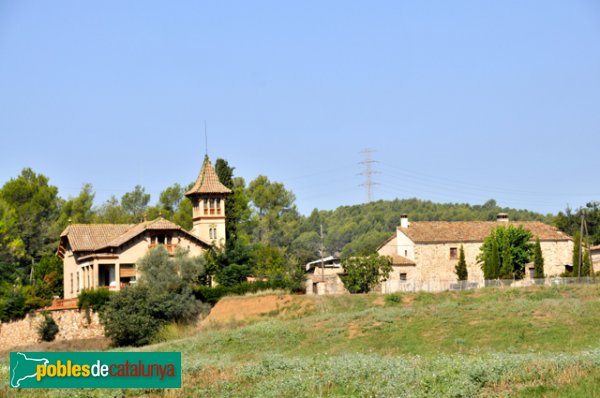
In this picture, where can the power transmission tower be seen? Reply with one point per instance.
(368, 172)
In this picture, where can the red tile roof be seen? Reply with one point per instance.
(474, 231)
(94, 237)
(208, 181)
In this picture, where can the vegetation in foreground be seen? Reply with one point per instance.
(539, 341)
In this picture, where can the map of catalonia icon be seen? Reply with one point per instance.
(24, 368)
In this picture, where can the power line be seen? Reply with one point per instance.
(368, 172)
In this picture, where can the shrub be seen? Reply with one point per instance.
(48, 328)
(393, 298)
(364, 273)
(128, 318)
(232, 275)
(213, 294)
(95, 299)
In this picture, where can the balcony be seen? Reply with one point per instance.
(170, 248)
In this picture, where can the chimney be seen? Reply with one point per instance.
(404, 221)
(502, 217)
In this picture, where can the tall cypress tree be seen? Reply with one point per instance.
(538, 260)
(576, 244)
(461, 267)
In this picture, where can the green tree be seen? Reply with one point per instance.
(461, 268)
(135, 203)
(538, 259)
(237, 210)
(111, 212)
(12, 247)
(364, 273)
(505, 252)
(48, 277)
(134, 315)
(128, 317)
(232, 275)
(586, 266)
(78, 210)
(35, 206)
(268, 261)
(170, 199)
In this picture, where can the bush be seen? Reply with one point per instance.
(213, 294)
(394, 298)
(95, 299)
(364, 273)
(14, 304)
(134, 315)
(232, 275)
(48, 328)
(128, 318)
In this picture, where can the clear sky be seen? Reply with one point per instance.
(462, 101)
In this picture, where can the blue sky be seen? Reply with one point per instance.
(461, 101)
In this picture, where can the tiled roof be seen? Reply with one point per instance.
(474, 231)
(93, 237)
(400, 260)
(208, 181)
(594, 248)
(157, 224)
(89, 237)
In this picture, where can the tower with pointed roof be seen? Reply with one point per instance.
(208, 197)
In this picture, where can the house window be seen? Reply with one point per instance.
(453, 252)
(71, 283)
(405, 253)
(77, 280)
(403, 276)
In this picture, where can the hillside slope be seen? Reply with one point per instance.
(538, 341)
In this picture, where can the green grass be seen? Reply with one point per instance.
(538, 342)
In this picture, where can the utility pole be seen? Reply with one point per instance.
(321, 252)
(580, 249)
(368, 172)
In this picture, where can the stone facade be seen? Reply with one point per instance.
(72, 324)
(436, 257)
(325, 281)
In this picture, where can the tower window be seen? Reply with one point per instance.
(205, 206)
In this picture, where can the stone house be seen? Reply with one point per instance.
(595, 256)
(425, 253)
(105, 255)
(323, 276)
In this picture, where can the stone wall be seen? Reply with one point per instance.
(72, 324)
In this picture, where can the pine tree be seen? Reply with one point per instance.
(461, 267)
(538, 260)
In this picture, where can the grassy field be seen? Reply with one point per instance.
(535, 342)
